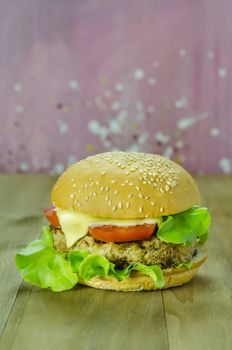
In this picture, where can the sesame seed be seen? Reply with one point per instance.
(114, 208)
(140, 195)
(109, 202)
(86, 198)
(74, 185)
(131, 184)
(72, 179)
(97, 182)
(161, 209)
(102, 188)
(107, 188)
(140, 209)
(120, 205)
(72, 195)
(152, 203)
(94, 194)
(116, 192)
(130, 195)
(161, 190)
(127, 205)
(138, 188)
(106, 198)
(103, 172)
(147, 197)
(113, 181)
(167, 188)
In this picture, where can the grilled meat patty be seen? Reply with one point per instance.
(149, 252)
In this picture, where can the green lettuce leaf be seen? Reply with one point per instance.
(41, 265)
(93, 265)
(188, 264)
(185, 227)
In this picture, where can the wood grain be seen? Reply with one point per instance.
(199, 314)
(194, 316)
(20, 218)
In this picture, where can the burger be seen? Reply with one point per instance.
(123, 221)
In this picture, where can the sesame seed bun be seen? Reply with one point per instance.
(125, 185)
(137, 281)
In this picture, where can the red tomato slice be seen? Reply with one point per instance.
(50, 214)
(109, 233)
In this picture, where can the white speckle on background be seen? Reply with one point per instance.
(73, 84)
(106, 143)
(225, 165)
(19, 109)
(179, 144)
(24, 166)
(186, 123)
(63, 127)
(134, 148)
(182, 52)
(94, 126)
(156, 64)
(71, 159)
(143, 137)
(103, 132)
(119, 87)
(222, 72)
(160, 137)
(168, 152)
(138, 74)
(139, 105)
(150, 109)
(114, 126)
(215, 132)
(17, 87)
(116, 105)
(140, 116)
(182, 102)
(151, 81)
(121, 117)
(210, 55)
(108, 93)
(58, 168)
(97, 129)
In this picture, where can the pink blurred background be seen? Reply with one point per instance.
(80, 77)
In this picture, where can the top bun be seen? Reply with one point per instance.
(125, 185)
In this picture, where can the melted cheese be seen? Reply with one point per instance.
(75, 225)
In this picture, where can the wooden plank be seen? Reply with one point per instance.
(24, 195)
(86, 318)
(199, 314)
(20, 220)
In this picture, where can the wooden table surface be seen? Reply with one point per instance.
(193, 317)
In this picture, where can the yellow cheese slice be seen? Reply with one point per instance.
(75, 225)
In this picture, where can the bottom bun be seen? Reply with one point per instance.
(138, 281)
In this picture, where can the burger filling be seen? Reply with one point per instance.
(78, 247)
(149, 251)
